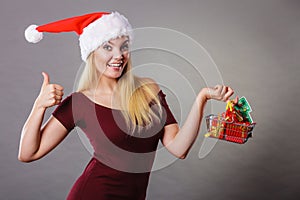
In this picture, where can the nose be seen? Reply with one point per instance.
(117, 54)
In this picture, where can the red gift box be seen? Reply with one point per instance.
(218, 127)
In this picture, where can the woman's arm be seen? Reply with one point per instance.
(35, 141)
(179, 141)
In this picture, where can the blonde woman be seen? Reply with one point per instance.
(123, 116)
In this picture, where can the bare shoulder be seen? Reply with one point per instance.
(87, 93)
(151, 83)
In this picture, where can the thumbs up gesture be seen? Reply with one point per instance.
(50, 94)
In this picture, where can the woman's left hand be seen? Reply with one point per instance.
(219, 92)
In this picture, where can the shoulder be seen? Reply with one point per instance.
(86, 93)
(73, 102)
(72, 98)
(150, 83)
(72, 95)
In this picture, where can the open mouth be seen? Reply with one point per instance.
(115, 65)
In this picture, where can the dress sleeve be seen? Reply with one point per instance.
(64, 113)
(168, 116)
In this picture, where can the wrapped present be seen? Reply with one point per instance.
(216, 127)
(238, 110)
(234, 125)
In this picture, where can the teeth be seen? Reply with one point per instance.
(115, 65)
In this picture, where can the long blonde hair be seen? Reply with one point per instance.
(136, 95)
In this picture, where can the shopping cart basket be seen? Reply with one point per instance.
(218, 127)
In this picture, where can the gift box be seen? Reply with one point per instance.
(234, 125)
(216, 127)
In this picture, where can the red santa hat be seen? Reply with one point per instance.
(93, 29)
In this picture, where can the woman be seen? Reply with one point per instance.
(123, 116)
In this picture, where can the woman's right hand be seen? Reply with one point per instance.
(50, 94)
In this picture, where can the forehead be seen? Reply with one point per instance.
(119, 40)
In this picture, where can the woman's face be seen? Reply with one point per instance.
(111, 57)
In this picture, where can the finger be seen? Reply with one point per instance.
(224, 90)
(46, 78)
(55, 95)
(59, 92)
(230, 89)
(55, 100)
(58, 87)
(58, 99)
(228, 94)
(236, 100)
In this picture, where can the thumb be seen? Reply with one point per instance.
(46, 78)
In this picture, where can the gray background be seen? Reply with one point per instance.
(256, 45)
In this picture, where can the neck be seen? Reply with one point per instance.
(107, 85)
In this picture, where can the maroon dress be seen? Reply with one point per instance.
(122, 160)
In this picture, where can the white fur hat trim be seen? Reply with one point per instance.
(102, 30)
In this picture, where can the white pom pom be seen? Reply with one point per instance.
(32, 35)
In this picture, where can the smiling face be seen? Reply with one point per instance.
(111, 57)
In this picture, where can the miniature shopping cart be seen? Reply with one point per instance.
(219, 128)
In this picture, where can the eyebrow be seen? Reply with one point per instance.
(114, 44)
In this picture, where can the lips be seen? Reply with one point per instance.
(120, 64)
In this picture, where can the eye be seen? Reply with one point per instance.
(125, 47)
(107, 47)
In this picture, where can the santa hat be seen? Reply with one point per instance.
(93, 29)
